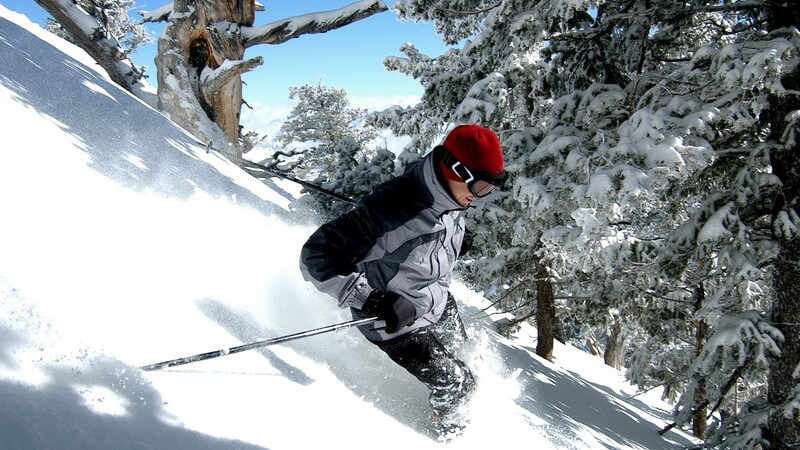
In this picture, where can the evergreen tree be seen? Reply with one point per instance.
(334, 149)
(648, 143)
(322, 120)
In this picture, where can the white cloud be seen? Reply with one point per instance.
(381, 103)
(265, 118)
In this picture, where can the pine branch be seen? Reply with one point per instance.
(629, 397)
(656, 295)
(521, 283)
(604, 24)
(728, 386)
(476, 12)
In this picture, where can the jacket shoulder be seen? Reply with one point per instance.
(400, 198)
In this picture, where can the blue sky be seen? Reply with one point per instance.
(350, 57)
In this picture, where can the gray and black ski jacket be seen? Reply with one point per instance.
(404, 237)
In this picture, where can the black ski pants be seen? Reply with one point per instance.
(429, 354)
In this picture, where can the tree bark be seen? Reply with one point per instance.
(545, 312)
(615, 346)
(783, 430)
(700, 418)
(201, 36)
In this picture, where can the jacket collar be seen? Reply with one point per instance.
(443, 200)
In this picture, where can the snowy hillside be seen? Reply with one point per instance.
(124, 242)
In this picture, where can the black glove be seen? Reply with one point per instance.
(395, 310)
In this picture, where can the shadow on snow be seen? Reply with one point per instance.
(359, 365)
(571, 404)
(123, 135)
(54, 415)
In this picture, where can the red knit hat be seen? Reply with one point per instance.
(476, 147)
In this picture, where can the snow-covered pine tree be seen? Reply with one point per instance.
(321, 120)
(744, 230)
(353, 174)
(554, 99)
(631, 130)
(200, 56)
(331, 149)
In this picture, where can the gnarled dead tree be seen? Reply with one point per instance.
(201, 56)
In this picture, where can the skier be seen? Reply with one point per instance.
(393, 256)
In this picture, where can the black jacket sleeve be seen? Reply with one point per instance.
(329, 257)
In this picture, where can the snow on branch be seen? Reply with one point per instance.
(319, 22)
(160, 14)
(213, 80)
(604, 23)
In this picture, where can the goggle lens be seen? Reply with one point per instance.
(481, 188)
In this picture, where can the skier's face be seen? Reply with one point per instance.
(461, 192)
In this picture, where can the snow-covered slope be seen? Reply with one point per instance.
(123, 242)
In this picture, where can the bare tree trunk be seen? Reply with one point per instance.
(545, 312)
(202, 42)
(700, 420)
(615, 347)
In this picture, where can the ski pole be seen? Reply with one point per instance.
(258, 344)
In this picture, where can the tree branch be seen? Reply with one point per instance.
(90, 34)
(731, 382)
(656, 295)
(468, 13)
(520, 283)
(605, 22)
(160, 14)
(212, 80)
(320, 22)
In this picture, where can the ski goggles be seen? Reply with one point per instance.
(480, 184)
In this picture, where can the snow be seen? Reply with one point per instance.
(715, 228)
(600, 186)
(95, 88)
(320, 18)
(125, 242)
(158, 14)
